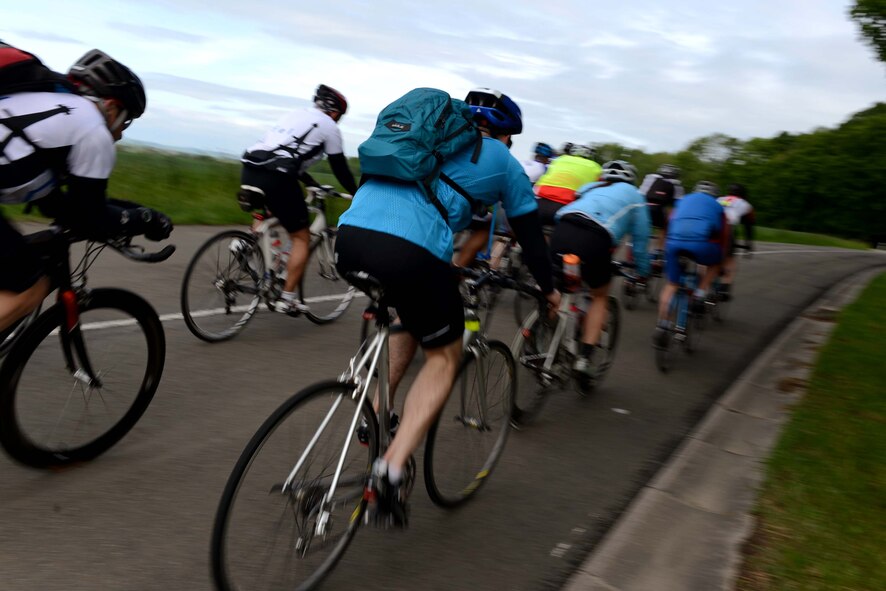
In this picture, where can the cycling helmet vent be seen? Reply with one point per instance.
(669, 171)
(543, 149)
(582, 151)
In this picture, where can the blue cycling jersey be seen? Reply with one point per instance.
(696, 218)
(401, 209)
(619, 208)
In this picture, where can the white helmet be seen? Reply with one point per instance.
(707, 187)
(582, 151)
(619, 170)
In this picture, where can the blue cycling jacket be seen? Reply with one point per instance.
(696, 218)
(621, 209)
(401, 209)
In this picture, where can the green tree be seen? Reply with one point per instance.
(871, 18)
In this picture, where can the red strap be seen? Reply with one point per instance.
(11, 55)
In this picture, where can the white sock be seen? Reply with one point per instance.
(395, 475)
(289, 296)
(699, 294)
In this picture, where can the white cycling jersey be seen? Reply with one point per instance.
(534, 169)
(735, 208)
(45, 136)
(306, 133)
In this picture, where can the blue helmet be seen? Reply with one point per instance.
(543, 149)
(498, 110)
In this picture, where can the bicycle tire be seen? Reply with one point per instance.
(215, 280)
(11, 333)
(461, 450)
(531, 339)
(524, 303)
(629, 292)
(253, 496)
(328, 294)
(652, 288)
(129, 327)
(664, 355)
(609, 339)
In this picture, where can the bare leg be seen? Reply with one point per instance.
(298, 258)
(596, 316)
(474, 244)
(424, 401)
(729, 266)
(664, 300)
(17, 305)
(402, 347)
(710, 273)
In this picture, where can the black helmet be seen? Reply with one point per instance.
(738, 190)
(98, 74)
(329, 99)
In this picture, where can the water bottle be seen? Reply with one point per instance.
(571, 272)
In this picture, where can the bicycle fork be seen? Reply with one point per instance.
(72, 342)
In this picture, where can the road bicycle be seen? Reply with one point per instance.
(717, 304)
(234, 271)
(296, 496)
(685, 321)
(77, 376)
(546, 348)
(633, 288)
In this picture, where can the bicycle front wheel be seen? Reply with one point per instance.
(469, 436)
(609, 338)
(222, 286)
(279, 524)
(530, 352)
(326, 293)
(53, 413)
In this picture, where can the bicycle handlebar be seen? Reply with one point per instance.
(324, 191)
(137, 253)
(481, 278)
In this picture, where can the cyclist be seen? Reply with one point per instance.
(394, 233)
(592, 227)
(539, 164)
(564, 176)
(662, 188)
(275, 164)
(57, 152)
(698, 229)
(738, 211)
(478, 237)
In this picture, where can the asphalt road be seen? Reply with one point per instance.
(139, 517)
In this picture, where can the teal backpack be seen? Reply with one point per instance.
(414, 136)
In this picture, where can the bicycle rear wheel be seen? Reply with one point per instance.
(529, 349)
(221, 289)
(269, 536)
(51, 414)
(469, 436)
(326, 293)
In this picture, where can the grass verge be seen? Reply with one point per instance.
(792, 237)
(822, 510)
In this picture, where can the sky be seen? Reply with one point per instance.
(647, 74)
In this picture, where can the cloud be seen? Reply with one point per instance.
(159, 33)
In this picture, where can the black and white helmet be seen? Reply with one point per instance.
(619, 170)
(329, 99)
(98, 75)
(707, 187)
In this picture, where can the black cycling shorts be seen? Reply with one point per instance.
(20, 267)
(547, 209)
(283, 193)
(422, 288)
(657, 216)
(575, 234)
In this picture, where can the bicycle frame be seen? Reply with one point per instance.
(679, 308)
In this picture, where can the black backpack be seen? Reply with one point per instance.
(21, 71)
(661, 192)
